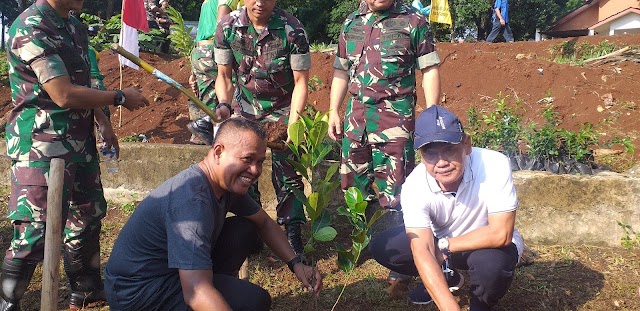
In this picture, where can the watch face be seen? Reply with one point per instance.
(443, 243)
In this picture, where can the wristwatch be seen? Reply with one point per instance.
(296, 260)
(443, 245)
(225, 105)
(119, 99)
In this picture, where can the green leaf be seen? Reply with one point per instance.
(360, 237)
(308, 248)
(343, 211)
(318, 133)
(305, 160)
(296, 133)
(360, 207)
(308, 123)
(352, 197)
(345, 259)
(293, 149)
(299, 167)
(322, 203)
(330, 187)
(320, 222)
(357, 246)
(321, 154)
(376, 216)
(325, 234)
(331, 171)
(300, 196)
(313, 205)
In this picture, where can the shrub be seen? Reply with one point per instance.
(498, 130)
(180, 36)
(544, 142)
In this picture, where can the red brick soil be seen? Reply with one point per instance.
(472, 74)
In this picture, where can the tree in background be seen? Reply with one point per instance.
(9, 10)
(313, 14)
(527, 15)
(340, 11)
(323, 19)
(473, 17)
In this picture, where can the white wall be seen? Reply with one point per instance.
(630, 22)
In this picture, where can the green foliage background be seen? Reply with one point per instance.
(323, 19)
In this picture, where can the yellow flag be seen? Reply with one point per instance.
(440, 12)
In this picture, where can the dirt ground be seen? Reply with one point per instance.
(472, 74)
(563, 277)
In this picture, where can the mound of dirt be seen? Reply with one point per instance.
(472, 75)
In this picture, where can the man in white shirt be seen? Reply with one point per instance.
(459, 209)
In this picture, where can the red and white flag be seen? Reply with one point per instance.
(134, 18)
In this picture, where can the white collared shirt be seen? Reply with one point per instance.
(486, 188)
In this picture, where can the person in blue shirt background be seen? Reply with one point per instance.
(501, 21)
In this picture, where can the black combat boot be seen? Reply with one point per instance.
(294, 235)
(82, 266)
(203, 128)
(16, 275)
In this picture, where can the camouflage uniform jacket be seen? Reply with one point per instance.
(149, 6)
(380, 52)
(43, 46)
(264, 62)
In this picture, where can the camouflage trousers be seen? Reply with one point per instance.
(205, 69)
(289, 210)
(382, 166)
(83, 207)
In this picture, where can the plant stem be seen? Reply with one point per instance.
(345, 283)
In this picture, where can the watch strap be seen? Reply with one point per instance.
(224, 105)
(119, 99)
(445, 249)
(296, 260)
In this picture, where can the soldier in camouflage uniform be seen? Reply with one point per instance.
(204, 68)
(380, 47)
(269, 50)
(53, 117)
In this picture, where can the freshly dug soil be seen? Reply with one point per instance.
(472, 75)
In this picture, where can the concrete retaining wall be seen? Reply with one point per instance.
(559, 209)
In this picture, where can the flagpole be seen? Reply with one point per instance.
(120, 106)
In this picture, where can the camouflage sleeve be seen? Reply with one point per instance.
(150, 4)
(49, 67)
(300, 58)
(341, 62)
(424, 44)
(222, 52)
(38, 50)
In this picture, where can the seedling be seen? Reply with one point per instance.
(309, 150)
(360, 235)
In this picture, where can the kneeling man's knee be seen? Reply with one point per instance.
(491, 272)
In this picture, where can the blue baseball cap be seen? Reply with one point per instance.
(437, 124)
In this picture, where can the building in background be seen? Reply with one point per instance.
(597, 17)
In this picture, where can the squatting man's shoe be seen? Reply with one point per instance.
(420, 296)
(203, 128)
